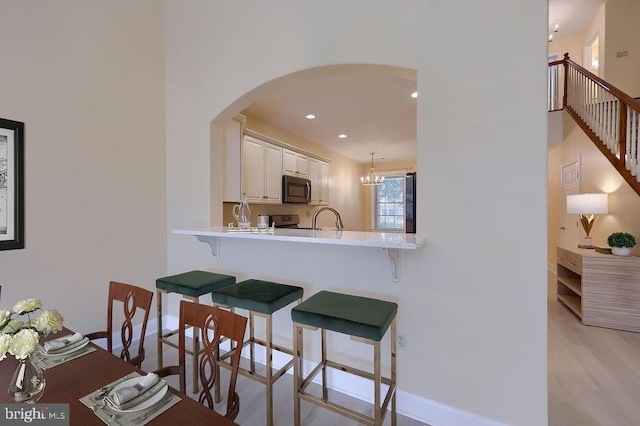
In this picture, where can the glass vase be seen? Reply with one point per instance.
(27, 384)
(242, 213)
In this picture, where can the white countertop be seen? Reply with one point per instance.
(386, 240)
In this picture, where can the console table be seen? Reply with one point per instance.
(602, 289)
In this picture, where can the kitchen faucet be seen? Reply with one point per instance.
(339, 224)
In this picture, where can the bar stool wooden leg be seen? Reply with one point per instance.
(377, 412)
(196, 350)
(269, 373)
(393, 371)
(297, 371)
(159, 315)
(252, 354)
(325, 395)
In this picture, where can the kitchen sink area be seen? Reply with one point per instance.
(289, 221)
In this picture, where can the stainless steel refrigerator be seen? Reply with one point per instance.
(410, 204)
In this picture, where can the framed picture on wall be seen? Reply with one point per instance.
(11, 184)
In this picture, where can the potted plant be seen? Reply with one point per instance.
(621, 243)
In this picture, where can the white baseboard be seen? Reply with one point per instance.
(412, 406)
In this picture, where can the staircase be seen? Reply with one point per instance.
(610, 117)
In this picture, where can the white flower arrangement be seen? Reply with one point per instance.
(20, 338)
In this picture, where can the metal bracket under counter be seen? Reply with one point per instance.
(394, 257)
(214, 243)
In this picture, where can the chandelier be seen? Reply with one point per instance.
(372, 178)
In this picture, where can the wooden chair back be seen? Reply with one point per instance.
(133, 298)
(213, 324)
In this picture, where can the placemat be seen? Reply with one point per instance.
(114, 417)
(46, 362)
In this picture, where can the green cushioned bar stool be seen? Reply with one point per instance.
(364, 319)
(191, 285)
(262, 299)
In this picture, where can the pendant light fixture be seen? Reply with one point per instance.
(372, 178)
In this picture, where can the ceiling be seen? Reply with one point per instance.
(572, 16)
(375, 110)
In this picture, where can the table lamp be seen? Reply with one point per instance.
(587, 206)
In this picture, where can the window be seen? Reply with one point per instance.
(389, 203)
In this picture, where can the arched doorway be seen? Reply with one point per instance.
(302, 80)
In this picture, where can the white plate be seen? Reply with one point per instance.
(144, 404)
(76, 346)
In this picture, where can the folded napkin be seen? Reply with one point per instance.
(52, 346)
(130, 396)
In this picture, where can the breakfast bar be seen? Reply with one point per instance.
(390, 242)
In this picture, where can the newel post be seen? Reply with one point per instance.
(565, 63)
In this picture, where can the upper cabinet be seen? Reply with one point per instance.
(294, 163)
(324, 182)
(318, 174)
(233, 134)
(262, 171)
(255, 163)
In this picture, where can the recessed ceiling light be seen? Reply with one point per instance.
(310, 116)
(342, 136)
(414, 95)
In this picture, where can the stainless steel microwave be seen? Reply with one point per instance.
(296, 190)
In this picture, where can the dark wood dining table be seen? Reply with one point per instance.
(70, 381)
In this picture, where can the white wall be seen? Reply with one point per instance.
(598, 26)
(623, 34)
(87, 80)
(572, 45)
(473, 301)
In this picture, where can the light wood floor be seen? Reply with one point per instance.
(594, 379)
(594, 373)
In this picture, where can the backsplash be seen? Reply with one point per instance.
(305, 211)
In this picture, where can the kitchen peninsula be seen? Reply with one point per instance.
(390, 242)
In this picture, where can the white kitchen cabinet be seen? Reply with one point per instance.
(294, 163)
(233, 133)
(314, 177)
(324, 182)
(262, 171)
(288, 162)
(318, 174)
(272, 173)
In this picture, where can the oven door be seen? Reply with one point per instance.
(296, 190)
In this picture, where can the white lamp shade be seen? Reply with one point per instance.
(587, 204)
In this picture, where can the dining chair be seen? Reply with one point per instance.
(211, 323)
(133, 299)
